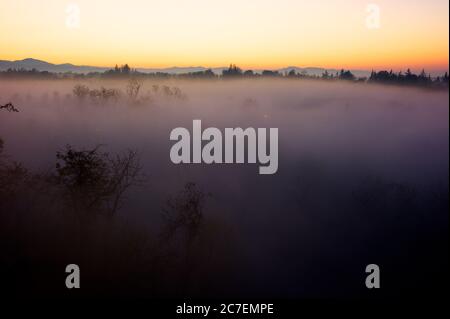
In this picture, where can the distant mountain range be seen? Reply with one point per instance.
(29, 64)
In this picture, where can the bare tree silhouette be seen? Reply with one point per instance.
(95, 182)
(184, 213)
(133, 87)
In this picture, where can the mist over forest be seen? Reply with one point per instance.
(362, 178)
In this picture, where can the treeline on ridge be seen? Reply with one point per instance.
(408, 78)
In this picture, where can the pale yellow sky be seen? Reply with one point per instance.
(250, 33)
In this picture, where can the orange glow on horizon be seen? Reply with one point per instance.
(253, 35)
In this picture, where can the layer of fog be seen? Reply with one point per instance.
(332, 138)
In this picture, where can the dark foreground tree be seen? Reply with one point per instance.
(94, 182)
(184, 214)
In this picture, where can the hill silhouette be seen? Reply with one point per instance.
(39, 65)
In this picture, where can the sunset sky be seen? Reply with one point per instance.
(250, 33)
